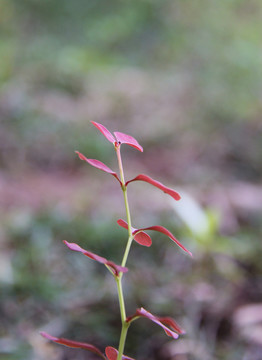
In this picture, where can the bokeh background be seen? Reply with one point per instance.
(185, 78)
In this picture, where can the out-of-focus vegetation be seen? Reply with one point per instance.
(185, 78)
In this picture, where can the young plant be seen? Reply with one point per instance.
(170, 327)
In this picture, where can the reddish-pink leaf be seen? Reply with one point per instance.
(123, 224)
(159, 185)
(99, 165)
(163, 230)
(118, 137)
(140, 237)
(171, 323)
(105, 132)
(146, 241)
(173, 328)
(112, 353)
(74, 344)
(114, 267)
(143, 238)
(127, 139)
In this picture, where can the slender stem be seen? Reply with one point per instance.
(122, 341)
(130, 236)
(120, 165)
(121, 298)
(125, 325)
(128, 246)
(127, 212)
(128, 215)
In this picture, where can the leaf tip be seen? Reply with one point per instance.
(47, 336)
(81, 156)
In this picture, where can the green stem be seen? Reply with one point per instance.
(121, 297)
(128, 216)
(125, 325)
(122, 341)
(128, 246)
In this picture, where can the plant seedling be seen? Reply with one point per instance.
(171, 328)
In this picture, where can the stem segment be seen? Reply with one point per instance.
(121, 297)
(125, 325)
(122, 341)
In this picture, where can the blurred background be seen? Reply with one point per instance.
(184, 78)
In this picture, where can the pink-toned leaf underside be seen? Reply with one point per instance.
(171, 323)
(104, 131)
(74, 344)
(140, 237)
(112, 353)
(141, 177)
(127, 139)
(114, 267)
(172, 331)
(98, 164)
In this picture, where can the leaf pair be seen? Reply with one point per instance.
(168, 324)
(118, 138)
(142, 238)
(141, 177)
(110, 352)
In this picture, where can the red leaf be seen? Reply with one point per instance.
(140, 237)
(127, 139)
(98, 164)
(123, 224)
(112, 353)
(114, 267)
(159, 185)
(171, 323)
(105, 132)
(143, 240)
(74, 344)
(172, 331)
(163, 230)
(118, 138)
